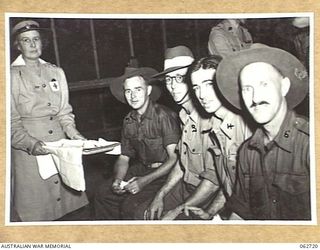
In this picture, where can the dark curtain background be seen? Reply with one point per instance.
(96, 109)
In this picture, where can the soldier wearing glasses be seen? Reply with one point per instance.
(193, 179)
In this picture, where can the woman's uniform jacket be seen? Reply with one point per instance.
(40, 110)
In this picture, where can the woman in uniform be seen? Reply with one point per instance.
(40, 112)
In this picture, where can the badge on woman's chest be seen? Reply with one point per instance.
(54, 85)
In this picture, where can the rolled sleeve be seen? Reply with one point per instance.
(127, 149)
(210, 175)
(171, 139)
(170, 129)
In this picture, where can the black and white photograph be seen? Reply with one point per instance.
(160, 119)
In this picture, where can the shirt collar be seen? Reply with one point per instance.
(229, 124)
(20, 61)
(147, 114)
(191, 114)
(282, 139)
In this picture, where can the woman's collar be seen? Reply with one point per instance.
(20, 61)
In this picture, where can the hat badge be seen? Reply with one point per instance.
(300, 74)
(27, 26)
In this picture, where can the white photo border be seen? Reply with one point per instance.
(313, 192)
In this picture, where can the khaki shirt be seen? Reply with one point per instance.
(228, 135)
(274, 180)
(225, 39)
(146, 140)
(194, 147)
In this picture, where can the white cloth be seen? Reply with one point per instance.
(66, 155)
(46, 166)
(65, 158)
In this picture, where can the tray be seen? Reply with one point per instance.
(102, 149)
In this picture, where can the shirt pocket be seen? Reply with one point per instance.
(130, 131)
(25, 104)
(294, 195)
(292, 183)
(196, 159)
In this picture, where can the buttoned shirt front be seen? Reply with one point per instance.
(39, 100)
(145, 138)
(227, 136)
(274, 179)
(40, 110)
(194, 148)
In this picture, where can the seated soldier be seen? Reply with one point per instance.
(273, 181)
(150, 134)
(193, 180)
(227, 131)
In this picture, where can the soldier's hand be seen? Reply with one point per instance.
(197, 211)
(172, 214)
(116, 188)
(135, 184)
(155, 209)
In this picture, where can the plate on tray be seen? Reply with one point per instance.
(100, 149)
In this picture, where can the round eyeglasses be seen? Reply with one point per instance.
(178, 78)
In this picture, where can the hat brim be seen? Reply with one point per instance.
(159, 75)
(229, 69)
(25, 30)
(116, 84)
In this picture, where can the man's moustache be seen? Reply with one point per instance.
(254, 104)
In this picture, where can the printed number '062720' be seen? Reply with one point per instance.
(308, 246)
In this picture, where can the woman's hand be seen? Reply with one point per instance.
(79, 137)
(38, 149)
